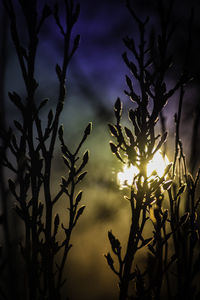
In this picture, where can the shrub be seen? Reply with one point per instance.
(174, 242)
(27, 151)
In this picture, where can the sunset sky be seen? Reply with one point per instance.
(95, 79)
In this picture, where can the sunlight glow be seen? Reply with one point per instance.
(157, 164)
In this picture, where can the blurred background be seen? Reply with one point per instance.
(95, 80)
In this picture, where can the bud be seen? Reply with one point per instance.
(109, 260)
(88, 129)
(118, 108)
(113, 147)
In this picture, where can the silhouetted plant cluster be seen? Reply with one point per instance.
(167, 204)
(27, 151)
(168, 274)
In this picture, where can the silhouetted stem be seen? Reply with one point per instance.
(178, 119)
(134, 233)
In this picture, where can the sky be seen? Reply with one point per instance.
(95, 79)
(97, 71)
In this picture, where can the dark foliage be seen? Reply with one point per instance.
(178, 268)
(27, 151)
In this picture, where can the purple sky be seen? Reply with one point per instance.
(97, 71)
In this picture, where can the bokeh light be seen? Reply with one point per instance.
(156, 165)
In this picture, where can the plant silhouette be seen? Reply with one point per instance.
(149, 65)
(160, 258)
(27, 151)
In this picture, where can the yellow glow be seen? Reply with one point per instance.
(157, 164)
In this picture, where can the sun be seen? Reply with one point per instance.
(157, 164)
